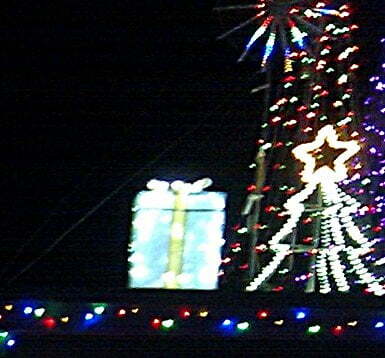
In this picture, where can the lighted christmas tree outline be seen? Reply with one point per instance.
(336, 217)
(325, 73)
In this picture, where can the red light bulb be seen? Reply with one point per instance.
(262, 314)
(337, 330)
(122, 312)
(48, 322)
(185, 314)
(155, 323)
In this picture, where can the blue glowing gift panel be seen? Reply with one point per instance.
(176, 239)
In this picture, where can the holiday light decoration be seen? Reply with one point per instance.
(306, 231)
(293, 19)
(338, 171)
(368, 183)
(335, 211)
(177, 236)
(283, 322)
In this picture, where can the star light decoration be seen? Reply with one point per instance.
(282, 17)
(341, 246)
(304, 153)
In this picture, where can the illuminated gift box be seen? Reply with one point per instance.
(176, 236)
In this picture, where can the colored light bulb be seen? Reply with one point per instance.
(38, 312)
(168, 323)
(88, 316)
(242, 326)
(11, 343)
(314, 329)
(227, 323)
(99, 310)
(28, 310)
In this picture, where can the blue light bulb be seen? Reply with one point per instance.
(300, 315)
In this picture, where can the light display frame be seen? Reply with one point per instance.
(177, 235)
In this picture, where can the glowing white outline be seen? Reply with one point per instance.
(340, 172)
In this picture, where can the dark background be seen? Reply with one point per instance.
(95, 93)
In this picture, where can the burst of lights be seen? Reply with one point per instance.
(278, 15)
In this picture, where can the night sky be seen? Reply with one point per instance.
(95, 93)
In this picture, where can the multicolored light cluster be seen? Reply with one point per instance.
(116, 319)
(293, 19)
(318, 236)
(369, 183)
